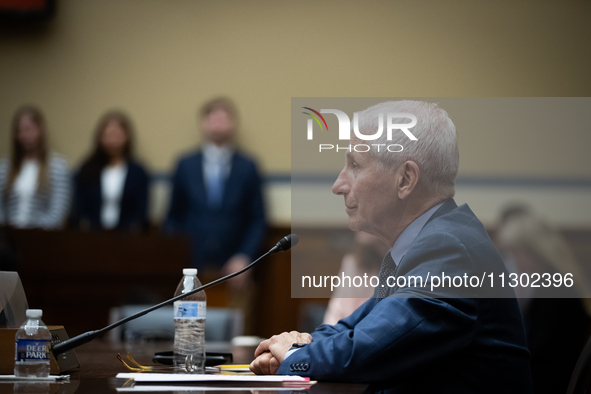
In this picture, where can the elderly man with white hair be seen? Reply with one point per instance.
(414, 338)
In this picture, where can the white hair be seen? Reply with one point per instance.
(435, 151)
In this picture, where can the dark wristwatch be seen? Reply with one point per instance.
(298, 345)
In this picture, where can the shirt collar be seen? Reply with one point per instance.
(409, 234)
(215, 153)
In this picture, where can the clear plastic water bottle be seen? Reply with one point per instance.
(32, 347)
(189, 325)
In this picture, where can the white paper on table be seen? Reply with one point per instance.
(157, 388)
(172, 377)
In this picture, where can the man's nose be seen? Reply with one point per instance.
(340, 186)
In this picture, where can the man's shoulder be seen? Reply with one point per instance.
(459, 222)
(246, 164)
(190, 157)
(456, 243)
(244, 158)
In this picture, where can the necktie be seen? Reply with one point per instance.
(388, 269)
(215, 187)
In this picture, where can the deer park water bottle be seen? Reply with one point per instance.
(189, 324)
(32, 347)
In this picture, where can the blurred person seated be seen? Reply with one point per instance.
(365, 259)
(111, 188)
(556, 328)
(34, 182)
(217, 200)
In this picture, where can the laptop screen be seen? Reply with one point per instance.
(13, 301)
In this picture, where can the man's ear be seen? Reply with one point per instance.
(409, 174)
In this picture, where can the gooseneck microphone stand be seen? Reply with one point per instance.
(284, 244)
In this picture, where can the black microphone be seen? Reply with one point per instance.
(284, 244)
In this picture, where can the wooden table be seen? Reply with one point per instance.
(99, 365)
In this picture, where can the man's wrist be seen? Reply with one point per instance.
(294, 348)
(290, 352)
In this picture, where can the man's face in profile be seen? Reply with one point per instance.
(370, 193)
(218, 127)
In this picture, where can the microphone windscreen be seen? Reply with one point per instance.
(293, 240)
(285, 243)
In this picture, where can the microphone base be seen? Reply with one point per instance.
(58, 365)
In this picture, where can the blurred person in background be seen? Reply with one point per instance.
(217, 200)
(35, 183)
(365, 259)
(556, 328)
(111, 188)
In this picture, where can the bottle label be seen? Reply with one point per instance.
(31, 349)
(189, 309)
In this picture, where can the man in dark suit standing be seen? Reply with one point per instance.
(421, 337)
(217, 197)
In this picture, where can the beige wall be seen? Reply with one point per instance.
(160, 60)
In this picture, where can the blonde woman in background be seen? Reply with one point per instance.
(34, 182)
(365, 259)
(556, 328)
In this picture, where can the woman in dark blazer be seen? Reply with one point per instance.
(111, 189)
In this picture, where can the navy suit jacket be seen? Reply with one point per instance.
(415, 341)
(134, 201)
(236, 226)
